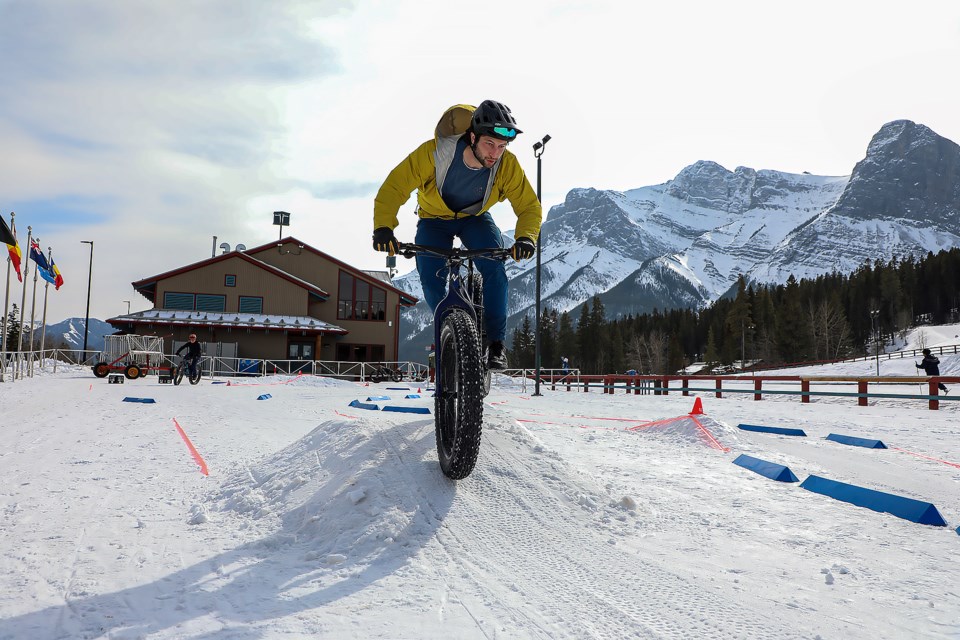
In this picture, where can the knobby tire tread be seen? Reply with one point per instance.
(459, 420)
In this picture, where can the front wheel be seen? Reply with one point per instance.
(195, 378)
(132, 371)
(177, 374)
(459, 396)
(101, 369)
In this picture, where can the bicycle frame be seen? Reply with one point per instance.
(458, 294)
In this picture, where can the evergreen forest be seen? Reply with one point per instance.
(831, 317)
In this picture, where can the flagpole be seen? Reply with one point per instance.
(43, 321)
(6, 307)
(3, 323)
(33, 309)
(25, 268)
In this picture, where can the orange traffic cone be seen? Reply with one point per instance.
(418, 389)
(697, 408)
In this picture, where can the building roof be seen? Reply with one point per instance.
(406, 299)
(233, 320)
(147, 286)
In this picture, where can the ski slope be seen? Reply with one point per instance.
(322, 520)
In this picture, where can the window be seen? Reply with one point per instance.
(190, 301)
(362, 311)
(178, 301)
(251, 304)
(378, 305)
(230, 280)
(347, 352)
(359, 300)
(211, 302)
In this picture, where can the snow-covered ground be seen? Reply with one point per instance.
(321, 520)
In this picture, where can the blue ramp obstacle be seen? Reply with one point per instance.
(779, 430)
(906, 508)
(362, 405)
(372, 398)
(411, 396)
(407, 409)
(856, 442)
(265, 396)
(143, 400)
(770, 470)
(398, 388)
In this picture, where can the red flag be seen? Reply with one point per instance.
(13, 247)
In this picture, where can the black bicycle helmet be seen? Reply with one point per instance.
(493, 119)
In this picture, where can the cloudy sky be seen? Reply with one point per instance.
(150, 127)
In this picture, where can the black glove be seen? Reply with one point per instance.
(523, 248)
(384, 240)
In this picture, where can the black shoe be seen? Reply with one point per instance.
(497, 356)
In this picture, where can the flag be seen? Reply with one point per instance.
(6, 234)
(37, 256)
(57, 276)
(12, 245)
(42, 265)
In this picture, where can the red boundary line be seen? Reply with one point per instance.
(920, 455)
(193, 450)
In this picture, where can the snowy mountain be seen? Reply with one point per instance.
(684, 243)
(70, 331)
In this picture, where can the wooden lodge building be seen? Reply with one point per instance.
(280, 301)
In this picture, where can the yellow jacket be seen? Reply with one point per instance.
(427, 166)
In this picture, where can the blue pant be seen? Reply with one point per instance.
(476, 232)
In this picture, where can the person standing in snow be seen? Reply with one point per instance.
(931, 365)
(459, 174)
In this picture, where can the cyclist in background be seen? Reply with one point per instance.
(459, 174)
(193, 354)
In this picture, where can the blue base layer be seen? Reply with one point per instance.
(770, 470)
(407, 409)
(779, 430)
(906, 508)
(856, 442)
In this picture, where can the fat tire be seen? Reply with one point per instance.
(177, 374)
(458, 405)
(132, 371)
(101, 369)
(396, 375)
(195, 379)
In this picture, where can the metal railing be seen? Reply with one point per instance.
(19, 365)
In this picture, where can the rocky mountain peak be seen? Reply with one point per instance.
(707, 184)
(909, 172)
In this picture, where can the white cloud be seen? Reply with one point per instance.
(182, 123)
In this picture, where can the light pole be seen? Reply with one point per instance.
(875, 325)
(128, 306)
(86, 320)
(538, 148)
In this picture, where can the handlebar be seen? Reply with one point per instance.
(410, 250)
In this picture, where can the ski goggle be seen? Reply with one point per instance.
(506, 133)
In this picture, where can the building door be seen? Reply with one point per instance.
(300, 351)
(300, 355)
